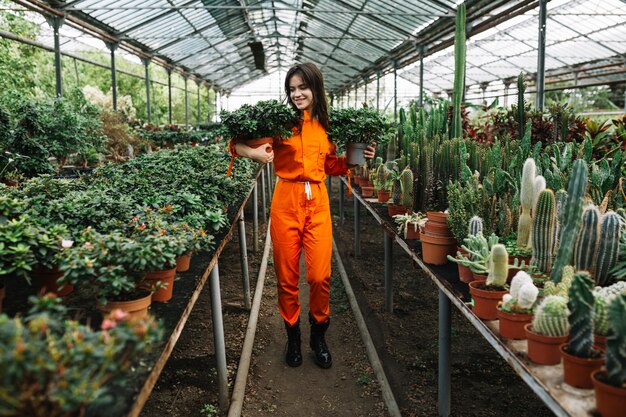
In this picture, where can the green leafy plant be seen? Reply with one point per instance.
(357, 125)
(17, 237)
(264, 119)
(64, 366)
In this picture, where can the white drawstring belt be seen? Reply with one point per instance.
(307, 187)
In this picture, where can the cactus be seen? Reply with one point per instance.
(600, 315)
(383, 174)
(391, 149)
(551, 317)
(526, 200)
(396, 191)
(571, 218)
(543, 231)
(475, 226)
(406, 183)
(615, 352)
(459, 71)
(538, 186)
(560, 198)
(522, 295)
(612, 290)
(498, 266)
(521, 106)
(587, 239)
(608, 247)
(580, 304)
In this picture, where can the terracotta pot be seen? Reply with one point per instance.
(182, 263)
(599, 342)
(48, 281)
(412, 231)
(478, 277)
(357, 180)
(366, 183)
(610, 400)
(577, 371)
(485, 302)
(383, 195)
(166, 277)
(367, 192)
(393, 209)
(135, 308)
(512, 324)
(465, 274)
(255, 143)
(438, 229)
(1, 296)
(543, 350)
(435, 249)
(437, 217)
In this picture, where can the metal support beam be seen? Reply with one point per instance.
(56, 22)
(255, 217)
(348, 98)
(395, 92)
(169, 95)
(341, 209)
(357, 227)
(146, 63)
(218, 337)
(445, 325)
(186, 78)
(356, 96)
(388, 244)
(243, 257)
(198, 83)
(506, 95)
(541, 55)
(422, 76)
(365, 82)
(378, 91)
(112, 47)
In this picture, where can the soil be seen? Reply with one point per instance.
(483, 384)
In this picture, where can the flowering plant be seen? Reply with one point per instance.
(54, 367)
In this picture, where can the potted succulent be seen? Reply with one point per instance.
(355, 129)
(516, 308)
(53, 358)
(602, 297)
(579, 357)
(548, 330)
(487, 295)
(610, 385)
(475, 227)
(381, 183)
(409, 225)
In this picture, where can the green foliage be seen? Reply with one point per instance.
(17, 236)
(465, 200)
(362, 125)
(63, 365)
(551, 317)
(269, 118)
(580, 304)
(615, 354)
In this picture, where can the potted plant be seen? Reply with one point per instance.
(355, 129)
(516, 308)
(52, 358)
(548, 330)
(395, 206)
(602, 297)
(409, 225)
(47, 246)
(487, 295)
(381, 183)
(579, 357)
(610, 385)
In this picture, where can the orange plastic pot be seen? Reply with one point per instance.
(135, 308)
(437, 217)
(478, 277)
(435, 249)
(48, 281)
(439, 229)
(512, 324)
(610, 400)
(166, 278)
(485, 302)
(577, 371)
(543, 350)
(366, 191)
(412, 231)
(383, 195)
(465, 274)
(183, 262)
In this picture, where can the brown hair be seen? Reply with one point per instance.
(312, 76)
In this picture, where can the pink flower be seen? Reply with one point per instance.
(118, 314)
(108, 324)
(65, 243)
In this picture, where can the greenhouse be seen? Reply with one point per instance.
(312, 208)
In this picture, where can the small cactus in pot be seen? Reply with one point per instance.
(548, 330)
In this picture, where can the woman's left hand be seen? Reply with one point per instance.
(370, 151)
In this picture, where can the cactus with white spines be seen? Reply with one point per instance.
(406, 183)
(608, 247)
(571, 218)
(526, 199)
(581, 308)
(551, 317)
(475, 226)
(498, 266)
(543, 231)
(522, 294)
(587, 239)
(615, 344)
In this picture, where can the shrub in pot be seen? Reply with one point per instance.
(516, 308)
(548, 330)
(66, 367)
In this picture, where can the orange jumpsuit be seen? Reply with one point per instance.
(301, 218)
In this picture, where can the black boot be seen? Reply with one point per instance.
(323, 359)
(294, 354)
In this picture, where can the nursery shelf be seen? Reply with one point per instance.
(546, 381)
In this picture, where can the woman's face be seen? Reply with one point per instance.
(300, 93)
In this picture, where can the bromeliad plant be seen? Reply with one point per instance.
(268, 118)
(54, 367)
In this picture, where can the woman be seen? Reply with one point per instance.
(300, 213)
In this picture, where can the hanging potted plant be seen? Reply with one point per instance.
(487, 295)
(548, 330)
(579, 357)
(356, 129)
(610, 385)
(516, 308)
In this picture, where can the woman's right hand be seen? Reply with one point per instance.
(263, 154)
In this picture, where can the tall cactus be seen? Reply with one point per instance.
(580, 304)
(551, 317)
(475, 226)
(459, 70)
(526, 200)
(560, 198)
(396, 191)
(498, 266)
(383, 174)
(406, 182)
(608, 247)
(571, 218)
(587, 239)
(521, 106)
(542, 232)
(615, 351)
